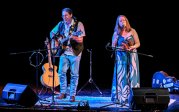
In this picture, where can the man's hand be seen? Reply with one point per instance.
(77, 39)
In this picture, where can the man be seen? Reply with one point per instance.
(68, 36)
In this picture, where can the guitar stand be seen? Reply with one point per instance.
(40, 93)
(90, 79)
(37, 66)
(50, 89)
(47, 90)
(53, 63)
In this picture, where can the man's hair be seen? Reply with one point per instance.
(67, 10)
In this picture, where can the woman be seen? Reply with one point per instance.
(125, 42)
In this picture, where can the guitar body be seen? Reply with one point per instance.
(161, 79)
(60, 50)
(47, 77)
(56, 48)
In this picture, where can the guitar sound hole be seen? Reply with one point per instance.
(50, 75)
(51, 69)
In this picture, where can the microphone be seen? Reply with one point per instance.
(89, 50)
(13, 53)
(151, 56)
(107, 44)
(123, 25)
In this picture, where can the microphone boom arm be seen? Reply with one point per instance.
(121, 49)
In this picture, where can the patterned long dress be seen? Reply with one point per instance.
(127, 68)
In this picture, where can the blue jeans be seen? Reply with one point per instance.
(66, 62)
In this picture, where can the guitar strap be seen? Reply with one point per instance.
(77, 47)
(73, 27)
(61, 29)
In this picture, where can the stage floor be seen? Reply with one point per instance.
(88, 99)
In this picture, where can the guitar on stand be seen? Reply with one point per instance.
(48, 68)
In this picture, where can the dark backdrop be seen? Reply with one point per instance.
(27, 23)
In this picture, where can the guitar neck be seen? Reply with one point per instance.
(64, 39)
(68, 37)
(49, 55)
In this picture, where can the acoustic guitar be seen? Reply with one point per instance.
(48, 68)
(58, 46)
(161, 79)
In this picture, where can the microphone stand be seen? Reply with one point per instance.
(36, 53)
(115, 49)
(36, 65)
(117, 101)
(90, 79)
(53, 80)
(116, 78)
(53, 100)
(120, 49)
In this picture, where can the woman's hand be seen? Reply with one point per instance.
(131, 48)
(127, 47)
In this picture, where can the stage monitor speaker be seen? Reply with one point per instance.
(150, 98)
(19, 94)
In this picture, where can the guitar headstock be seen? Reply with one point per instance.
(46, 41)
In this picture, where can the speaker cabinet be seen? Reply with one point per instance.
(19, 94)
(150, 98)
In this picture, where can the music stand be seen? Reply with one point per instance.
(90, 78)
